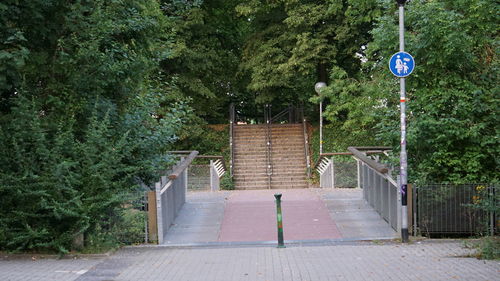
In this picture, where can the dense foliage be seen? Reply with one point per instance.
(207, 37)
(453, 93)
(80, 115)
(295, 43)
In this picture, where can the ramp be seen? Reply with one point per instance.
(249, 216)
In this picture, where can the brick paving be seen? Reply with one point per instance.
(428, 260)
(250, 215)
(303, 261)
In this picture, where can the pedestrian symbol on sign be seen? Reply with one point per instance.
(401, 64)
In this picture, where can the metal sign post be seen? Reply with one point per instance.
(402, 65)
(403, 156)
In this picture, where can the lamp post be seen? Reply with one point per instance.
(318, 87)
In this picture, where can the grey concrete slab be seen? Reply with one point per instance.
(354, 217)
(360, 261)
(200, 218)
(428, 260)
(46, 269)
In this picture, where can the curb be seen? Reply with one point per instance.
(290, 243)
(34, 257)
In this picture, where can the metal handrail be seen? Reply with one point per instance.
(281, 114)
(381, 169)
(324, 155)
(218, 157)
(170, 193)
(370, 162)
(183, 165)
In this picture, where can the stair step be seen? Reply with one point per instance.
(252, 141)
(273, 186)
(287, 157)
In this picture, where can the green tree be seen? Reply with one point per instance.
(84, 114)
(452, 109)
(205, 54)
(296, 43)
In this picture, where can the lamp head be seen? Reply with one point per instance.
(319, 86)
(401, 2)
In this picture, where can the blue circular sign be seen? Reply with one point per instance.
(401, 64)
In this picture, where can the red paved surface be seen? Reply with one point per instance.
(250, 215)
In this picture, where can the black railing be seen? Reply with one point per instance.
(291, 115)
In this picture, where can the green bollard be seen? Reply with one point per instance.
(281, 243)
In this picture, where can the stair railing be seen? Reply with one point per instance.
(280, 115)
(291, 115)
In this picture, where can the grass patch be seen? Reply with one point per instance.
(489, 248)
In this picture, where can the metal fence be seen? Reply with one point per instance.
(326, 173)
(171, 195)
(128, 225)
(346, 172)
(339, 171)
(217, 170)
(199, 177)
(467, 209)
(381, 192)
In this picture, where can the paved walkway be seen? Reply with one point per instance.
(354, 217)
(250, 216)
(429, 260)
(199, 220)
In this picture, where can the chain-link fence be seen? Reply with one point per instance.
(346, 172)
(199, 177)
(339, 172)
(469, 209)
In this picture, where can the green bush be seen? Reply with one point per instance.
(226, 182)
(489, 248)
(125, 227)
(131, 228)
(84, 114)
(58, 182)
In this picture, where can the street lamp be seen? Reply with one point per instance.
(318, 87)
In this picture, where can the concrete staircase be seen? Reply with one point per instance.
(287, 157)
